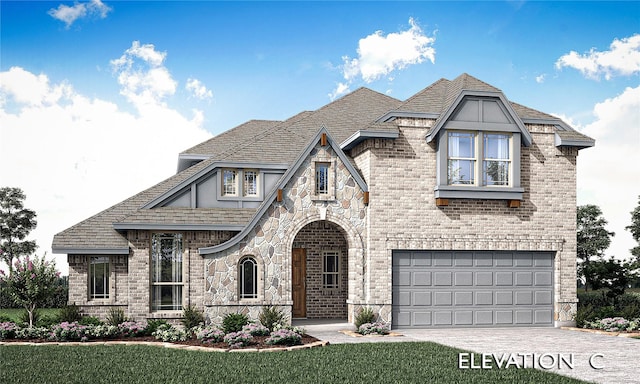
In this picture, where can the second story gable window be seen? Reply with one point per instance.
(250, 183)
(229, 182)
(462, 158)
(478, 153)
(497, 159)
(322, 178)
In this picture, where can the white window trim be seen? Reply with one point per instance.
(107, 283)
(240, 188)
(241, 294)
(244, 182)
(223, 191)
(331, 193)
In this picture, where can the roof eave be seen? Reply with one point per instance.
(580, 144)
(177, 227)
(364, 134)
(90, 251)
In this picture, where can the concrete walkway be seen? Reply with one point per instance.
(616, 357)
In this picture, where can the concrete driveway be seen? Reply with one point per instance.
(614, 359)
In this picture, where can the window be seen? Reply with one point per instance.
(166, 272)
(462, 158)
(248, 269)
(466, 148)
(250, 184)
(229, 182)
(330, 269)
(322, 178)
(495, 167)
(99, 277)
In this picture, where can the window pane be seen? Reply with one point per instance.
(322, 178)
(461, 171)
(99, 278)
(462, 145)
(496, 146)
(248, 279)
(166, 298)
(250, 183)
(496, 172)
(229, 182)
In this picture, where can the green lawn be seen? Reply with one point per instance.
(14, 313)
(344, 363)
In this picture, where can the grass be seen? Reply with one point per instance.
(353, 363)
(14, 313)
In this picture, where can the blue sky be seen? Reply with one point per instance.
(98, 98)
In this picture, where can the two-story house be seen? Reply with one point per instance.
(455, 207)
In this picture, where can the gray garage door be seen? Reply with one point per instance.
(467, 289)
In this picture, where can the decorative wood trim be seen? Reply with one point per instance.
(513, 203)
(323, 140)
(366, 198)
(440, 202)
(279, 197)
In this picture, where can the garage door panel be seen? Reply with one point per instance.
(471, 288)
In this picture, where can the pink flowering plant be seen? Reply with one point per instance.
(284, 336)
(614, 324)
(256, 329)
(8, 330)
(132, 328)
(209, 334)
(70, 331)
(238, 339)
(32, 282)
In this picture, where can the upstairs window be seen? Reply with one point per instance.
(478, 153)
(322, 178)
(229, 182)
(99, 277)
(248, 278)
(250, 183)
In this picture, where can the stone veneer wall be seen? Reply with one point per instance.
(272, 239)
(314, 238)
(401, 175)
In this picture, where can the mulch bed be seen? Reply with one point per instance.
(259, 342)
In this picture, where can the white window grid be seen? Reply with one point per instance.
(166, 271)
(99, 277)
(330, 269)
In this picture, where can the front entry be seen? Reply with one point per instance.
(298, 282)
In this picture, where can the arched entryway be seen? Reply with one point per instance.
(319, 272)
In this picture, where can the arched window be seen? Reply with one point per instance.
(248, 278)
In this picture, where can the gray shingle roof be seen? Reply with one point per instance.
(271, 142)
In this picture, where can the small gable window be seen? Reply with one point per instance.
(462, 158)
(322, 178)
(248, 278)
(497, 159)
(229, 182)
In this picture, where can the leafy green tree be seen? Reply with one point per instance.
(32, 283)
(593, 239)
(634, 228)
(15, 224)
(612, 275)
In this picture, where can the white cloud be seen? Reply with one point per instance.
(144, 79)
(198, 89)
(74, 155)
(69, 14)
(623, 58)
(608, 174)
(379, 55)
(540, 79)
(341, 89)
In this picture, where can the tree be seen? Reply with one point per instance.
(593, 240)
(32, 282)
(634, 228)
(15, 224)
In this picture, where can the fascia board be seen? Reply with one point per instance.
(366, 134)
(90, 251)
(176, 227)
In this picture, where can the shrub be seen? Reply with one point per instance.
(233, 322)
(256, 329)
(238, 339)
(132, 328)
(270, 316)
(33, 333)
(366, 315)
(284, 337)
(209, 334)
(70, 331)
(90, 320)
(102, 331)
(5, 319)
(299, 330)
(191, 317)
(8, 330)
(116, 316)
(153, 325)
(614, 324)
(168, 333)
(377, 328)
(69, 313)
